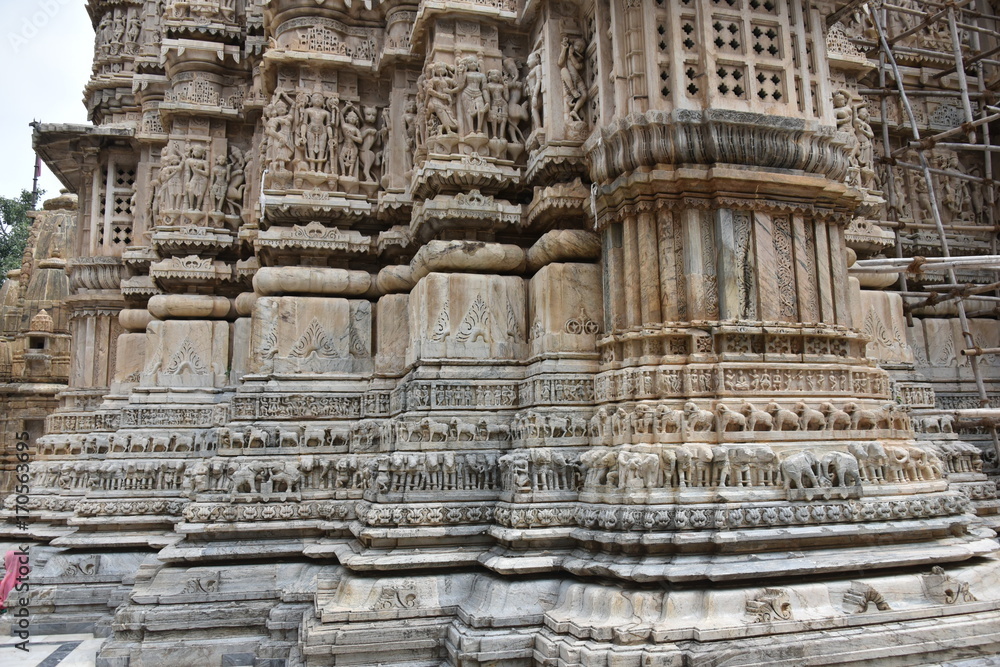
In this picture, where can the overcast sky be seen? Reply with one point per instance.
(46, 49)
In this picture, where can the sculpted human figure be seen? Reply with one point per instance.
(420, 104)
(410, 129)
(278, 130)
(352, 139)
(196, 176)
(132, 33)
(102, 36)
(370, 140)
(955, 193)
(315, 133)
(333, 106)
(533, 85)
(517, 111)
(844, 115)
(117, 33)
(470, 84)
(497, 93)
(441, 100)
(571, 60)
(220, 183)
(866, 147)
(168, 183)
(237, 181)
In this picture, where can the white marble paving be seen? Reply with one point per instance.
(51, 651)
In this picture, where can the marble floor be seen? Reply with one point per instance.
(81, 651)
(51, 651)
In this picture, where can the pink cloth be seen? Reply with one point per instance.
(13, 561)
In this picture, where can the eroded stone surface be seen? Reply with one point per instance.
(501, 333)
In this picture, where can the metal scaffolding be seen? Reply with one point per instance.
(968, 73)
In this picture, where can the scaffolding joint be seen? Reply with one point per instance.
(915, 265)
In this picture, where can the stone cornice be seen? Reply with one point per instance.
(715, 136)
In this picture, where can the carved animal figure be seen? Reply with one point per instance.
(693, 465)
(799, 468)
(865, 420)
(933, 466)
(463, 429)
(288, 438)
(898, 464)
(259, 438)
(182, 443)
(836, 420)
(668, 465)
(638, 470)
(596, 464)
(494, 431)
(620, 423)
(921, 464)
(784, 420)
(730, 420)
(556, 427)
(897, 416)
(744, 463)
(768, 471)
(667, 420)
(240, 437)
(698, 421)
(541, 467)
(76, 445)
(872, 459)
(285, 479)
(139, 443)
(314, 437)
(809, 419)
(642, 420)
(160, 443)
(244, 479)
(929, 425)
(434, 429)
(757, 420)
(119, 443)
(841, 469)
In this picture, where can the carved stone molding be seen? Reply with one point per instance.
(715, 136)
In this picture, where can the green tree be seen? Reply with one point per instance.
(14, 227)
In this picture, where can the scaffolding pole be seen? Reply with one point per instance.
(919, 146)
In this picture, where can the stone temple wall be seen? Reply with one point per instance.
(504, 333)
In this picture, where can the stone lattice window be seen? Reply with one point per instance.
(663, 47)
(113, 226)
(742, 54)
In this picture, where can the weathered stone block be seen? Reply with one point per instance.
(467, 316)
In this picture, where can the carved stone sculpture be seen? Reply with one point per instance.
(488, 332)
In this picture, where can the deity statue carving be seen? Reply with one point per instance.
(497, 92)
(219, 189)
(352, 140)
(237, 181)
(411, 121)
(371, 139)
(955, 194)
(517, 112)
(472, 100)
(571, 62)
(316, 133)
(486, 316)
(866, 147)
(196, 178)
(852, 119)
(441, 101)
(278, 130)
